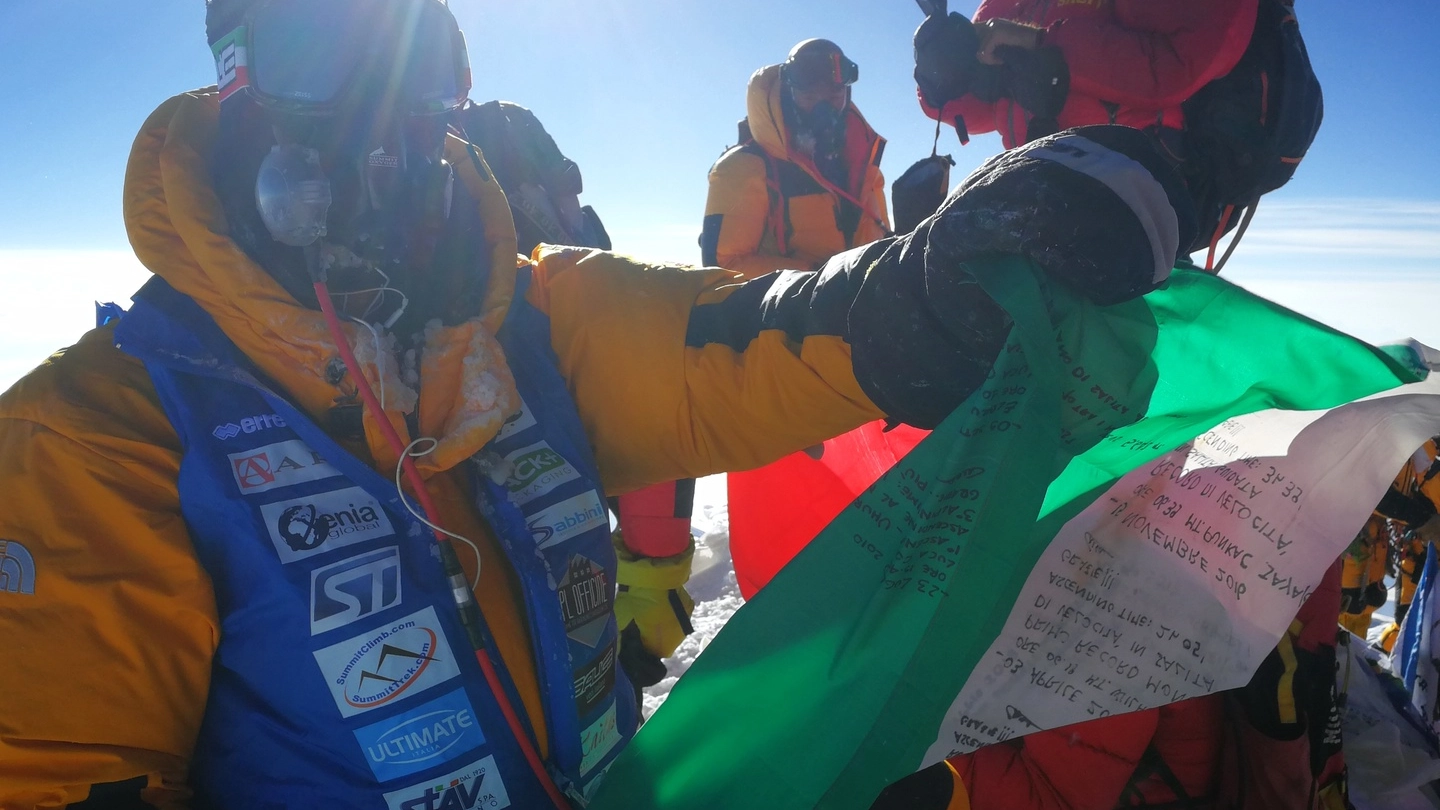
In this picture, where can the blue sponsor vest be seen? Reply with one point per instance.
(343, 676)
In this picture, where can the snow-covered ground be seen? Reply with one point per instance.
(712, 584)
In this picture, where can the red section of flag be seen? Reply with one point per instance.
(777, 509)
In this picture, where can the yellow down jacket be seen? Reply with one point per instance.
(110, 627)
(769, 209)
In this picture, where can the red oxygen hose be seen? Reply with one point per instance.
(422, 494)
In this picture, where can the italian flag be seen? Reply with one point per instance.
(1129, 512)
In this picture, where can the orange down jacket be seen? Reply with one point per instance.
(109, 639)
(769, 209)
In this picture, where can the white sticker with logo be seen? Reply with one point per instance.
(428, 735)
(353, 589)
(476, 785)
(301, 527)
(395, 660)
(535, 471)
(598, 740)
(278, 465)
(517, 422)
(567, 519)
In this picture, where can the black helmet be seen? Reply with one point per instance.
(818, 62)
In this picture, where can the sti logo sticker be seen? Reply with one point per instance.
(428, 735)
(567, 519)
(535, 471)
(278, 465)
(353, 589)
(395, 660)
(476, 785)
(302, 527)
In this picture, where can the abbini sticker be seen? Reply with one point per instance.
(568, 519)
(396, 660)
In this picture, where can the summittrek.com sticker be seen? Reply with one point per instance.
(396, 660)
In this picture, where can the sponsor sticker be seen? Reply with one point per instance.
(585, 598)
(598, 740)
(430, 734)
(395, 660)
(17, 568)
(476, 785)
(569, 518)
(535, 471)
(278, 465)
(301, 527)
(517, 422)
(248, 425)
(231, 64)
(353, 589)
(595, 681)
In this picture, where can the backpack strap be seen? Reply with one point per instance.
(1153, 764)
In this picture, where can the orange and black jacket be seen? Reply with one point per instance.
(770, 209)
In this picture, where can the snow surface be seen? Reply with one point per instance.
(712, 584)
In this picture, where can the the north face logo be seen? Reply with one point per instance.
(17, 568)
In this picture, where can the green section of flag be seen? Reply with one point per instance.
(833, 681)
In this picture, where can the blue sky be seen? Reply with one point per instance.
(644, 94)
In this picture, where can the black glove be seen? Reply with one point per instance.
(1376, 594)
(918, 192)
(1352, 601)
(1038, 80)
(641, 666)
(945, 58)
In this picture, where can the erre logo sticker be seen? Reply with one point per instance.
(585, 599)
(395, 660)
(17, 568)
(301, 527)
(517, 422)
(535, 471)
(595, 681)
(250, 424)
(278, 465)
(476, 785)
(598, 740)
(569, 518)
(428, 735)
(353, 589)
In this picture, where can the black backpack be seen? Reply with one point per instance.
(1246, 132)
(540, 183)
